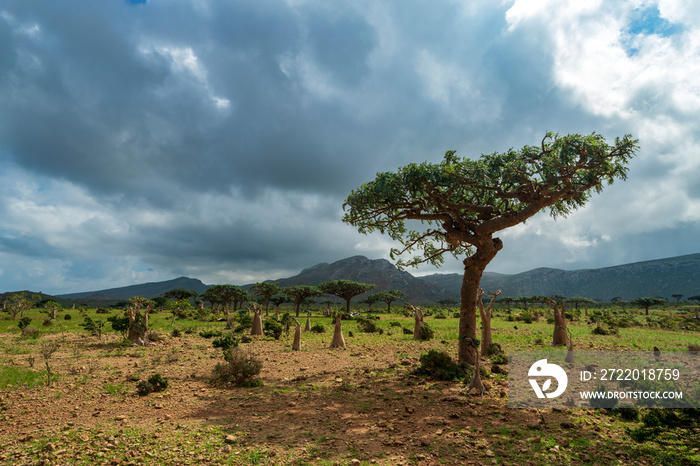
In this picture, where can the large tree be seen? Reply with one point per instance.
(345, 289)
(226, 295)
(648, 301)
(460, 204)
(299, 293)
(265, 291)
(178, 294)
(389, 296)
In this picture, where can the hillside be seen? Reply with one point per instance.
(148, 290)
(361, 269)
(661, 277)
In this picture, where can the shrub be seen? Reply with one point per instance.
(318, 328)
(494, 348)
(210, 333)
(67, 317)
(102, 311)
(175, 333)
(240, 367)
(119, 324)
(47, 322)
(407, 331)
(499, 359)
(440, 366)
(225, 342)
(273, 328)
(31, 332)
(366, 325)
(425, 333)
(394, 323)
(439, 315)
(600, 330)
(24, 323)
(603, 402)
(156, 383)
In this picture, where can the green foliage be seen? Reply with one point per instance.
(345, 289)
(499, 359)
(367, 325)
(425, 332)
(94, 327)
(119, 324)
(273, 328)
(663, 425)
(24, 323)
(318, 328)
(467, 193)
(210, 333)
(225, 342)
(156, 383)
(240, 367)
(440, 366)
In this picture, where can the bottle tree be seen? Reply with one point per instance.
(460, 204)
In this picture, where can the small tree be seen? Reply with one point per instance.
(225, 295)
(462, 203)
(560, 332)
(389, 296)
(257, 328)
(138, 310)
(181, 309)
(647, 302)
(265, 291)
(486, 339)
(338, 341)
(51, 308)
(677, 297)
(19, 303)
(296, 345)
(346, 289)
(298, 293)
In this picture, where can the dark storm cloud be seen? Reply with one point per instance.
(146, 140)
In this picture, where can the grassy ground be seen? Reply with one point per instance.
(316, 406)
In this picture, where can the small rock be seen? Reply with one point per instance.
(489, 453)
(355, 462)
(230, 439)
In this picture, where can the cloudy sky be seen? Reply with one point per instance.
(146, 140)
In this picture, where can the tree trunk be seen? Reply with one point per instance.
(307, 327)
(138, 327)
(559, 337)
(257, 323)
(296, 346)
(486, 339)
(476, 382)
(418, 316)
(338, 340)
(473, 270)
(570, 353)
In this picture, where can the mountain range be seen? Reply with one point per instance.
(661, 277)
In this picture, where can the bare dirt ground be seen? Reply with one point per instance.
(317, 406)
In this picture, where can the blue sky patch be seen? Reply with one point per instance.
(647, 21)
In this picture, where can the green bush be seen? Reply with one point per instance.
(225, 342)
(273, 328)
(394, 323)
(318, 328)
(210, 333)
(67, 317)
(24, 323)
(240, 368)
(156, 383)
(440, 366)
(425, 333)
(499, 359)
(367, 325)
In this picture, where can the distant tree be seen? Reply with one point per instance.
(695, 298)
(225, 295)
(265, 291)
(508, 300)
(578, 300)
(370, 301)
(448, 302)
(160, 302)
(389, 296)
(279, 299)
(51, 308)
(181, 309)
(346, 289)
(616, 299)
(19, 303)
(647, 302)
(178, 294)
(462, 203)
(677, 297)
(298, 293)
